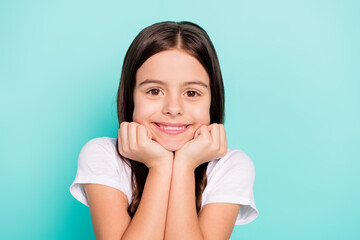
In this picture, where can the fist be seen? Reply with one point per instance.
(209, 143)
(135, 142)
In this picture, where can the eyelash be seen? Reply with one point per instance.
(153, 89)
(196, 93)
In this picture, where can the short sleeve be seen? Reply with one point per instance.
(97, 163)
(231, 180)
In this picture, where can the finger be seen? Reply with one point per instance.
(142, 135)
(210, 127)
(148, 132)
(204, 132)
(131, 134)
(215, 134)
(198, 131)
(223, 137)
(123, 143)
(222, 133)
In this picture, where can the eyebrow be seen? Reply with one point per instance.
(148, 81)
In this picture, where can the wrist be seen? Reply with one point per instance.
(162, 164)
(184, 164)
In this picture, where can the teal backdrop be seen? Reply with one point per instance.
(291, 71)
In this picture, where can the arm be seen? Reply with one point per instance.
(108, 206)
(135, 142)
(108, 209)
(149, 219)
(181, 221)
(215, 221)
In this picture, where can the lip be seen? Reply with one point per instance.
(171, 131)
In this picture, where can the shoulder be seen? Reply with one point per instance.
(101, 152)
(230, 179)
(99, 146)
(100, 163)
(105, 143)
(235, 160)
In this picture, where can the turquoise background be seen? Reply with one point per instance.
(291, 71)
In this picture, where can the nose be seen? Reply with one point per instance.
(173, 105)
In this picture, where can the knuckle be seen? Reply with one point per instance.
(132, 148)
(224, 149)
(133, 124)
(120, 149)
(125, 149)
(122, 152)
(140, 127)
(217, 148)
(141, 144)
(207, 142)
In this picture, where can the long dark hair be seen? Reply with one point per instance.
(151, 40)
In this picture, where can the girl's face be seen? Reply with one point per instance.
(172, 97)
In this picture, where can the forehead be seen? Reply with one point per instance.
(172, 66)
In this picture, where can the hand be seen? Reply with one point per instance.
(209, 143)
(135, 142)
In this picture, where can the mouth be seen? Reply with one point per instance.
(171, 128)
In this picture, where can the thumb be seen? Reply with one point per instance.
(149, 133)
(197, 133)
(201, 131)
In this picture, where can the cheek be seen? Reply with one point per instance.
(202, 114)
(143, 111)
(138, 114)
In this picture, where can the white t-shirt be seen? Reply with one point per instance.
(230, 179)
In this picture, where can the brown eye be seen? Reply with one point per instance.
(154, 91)
(192, 94)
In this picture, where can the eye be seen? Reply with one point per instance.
(192, 93)
(154, 91)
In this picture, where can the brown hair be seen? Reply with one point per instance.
(151, 40)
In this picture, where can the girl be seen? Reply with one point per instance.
(169, 173)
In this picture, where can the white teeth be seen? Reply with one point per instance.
(172, 128)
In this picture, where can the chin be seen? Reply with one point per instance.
(172, 146)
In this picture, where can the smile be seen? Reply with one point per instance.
(171, 128)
